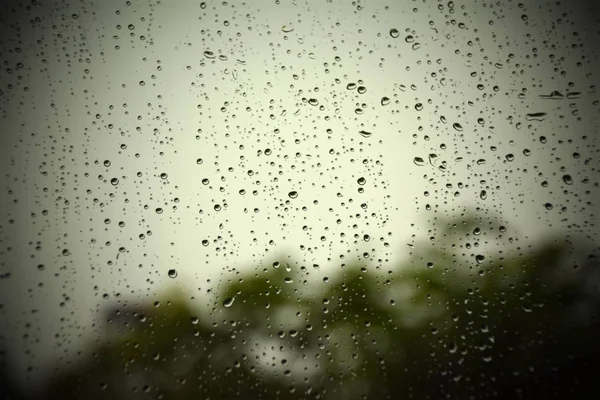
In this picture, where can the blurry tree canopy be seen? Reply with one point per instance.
(454, 321)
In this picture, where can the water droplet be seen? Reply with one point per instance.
(114, 181)
(199, 161)
(172, 273)
(365, 134)
(419, 161)
(548, 206)
(568, 179)
(361, 90)
(385, 101)
(479, 258)
(361, 181)
(432, 158)
(209, 54)
(228, 302)
(351, 86)
(553, 95)
(409, 39)
(287, 29)
(483, 195)
(457, 126)
(539, 116)
(107, 163)
(293, 194)
(394, 33)
(159, 210)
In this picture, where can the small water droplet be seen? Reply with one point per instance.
(361, 181)
(457, 126)
(114, 181)
(479, 258)
(365, 134)
(568, 179)
(385, 101)
(172, 273)
(287, 29)
(293, 194)
(394, 33)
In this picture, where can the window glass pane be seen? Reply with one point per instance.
(287, 199)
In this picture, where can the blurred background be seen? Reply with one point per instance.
(298, 199)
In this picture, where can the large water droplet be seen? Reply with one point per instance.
(394, 33)
(228, 302)
(419, 161)
(293, 194)
(539, 116)
(365, 134)
(172, 273)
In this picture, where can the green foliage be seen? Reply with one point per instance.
(446, 323)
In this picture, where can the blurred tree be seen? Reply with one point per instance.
(470, 314)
